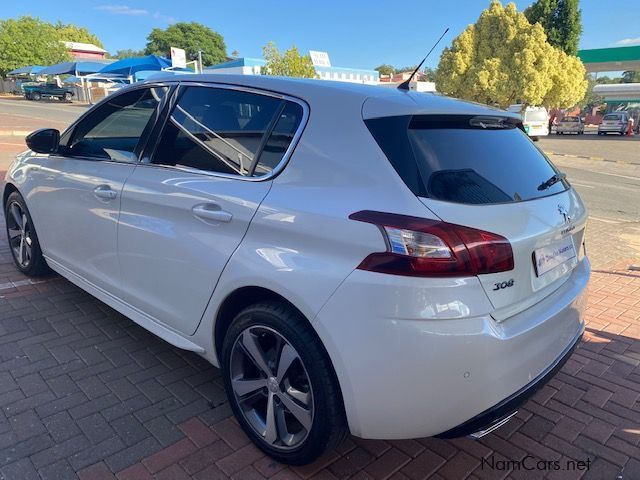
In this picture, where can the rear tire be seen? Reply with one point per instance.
(293, 410)
(67, 97)
(36, 96)
(23, 239)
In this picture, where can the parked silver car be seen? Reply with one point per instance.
(614, 123)
(570, 124)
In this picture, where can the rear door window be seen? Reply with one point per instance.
(466, 159)
(228, 131)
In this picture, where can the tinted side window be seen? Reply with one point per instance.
(280, 139)
(224, 131)
(113, 130)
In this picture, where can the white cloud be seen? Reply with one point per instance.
(135, 12)
(122, 10)
(628, 41)
(164, 18)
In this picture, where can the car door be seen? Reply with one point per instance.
(186, 208)
(77, 199)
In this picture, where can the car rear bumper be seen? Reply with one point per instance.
(422, 357)
(612, 128)
(538, 132)
(569, 129)
(483, 422)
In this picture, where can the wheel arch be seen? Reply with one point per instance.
(9, 188)
(246, 296)
(239, 299)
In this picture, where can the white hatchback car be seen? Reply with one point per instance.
(384, 262)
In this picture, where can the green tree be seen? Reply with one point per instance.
(591, 99)
(29, 41)
(630, 77)
(191, 37)
(561, 20)
(287, 64)
(568, 81)
(385, 69)
(503, 59)
(428, 75)
(128, 53)
(409, 69)
(73, 33)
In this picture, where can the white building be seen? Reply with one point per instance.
(253, 66)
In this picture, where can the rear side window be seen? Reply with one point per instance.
(228, 131)
(465, 159)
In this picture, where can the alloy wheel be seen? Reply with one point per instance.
(20, 234)
(271, 387)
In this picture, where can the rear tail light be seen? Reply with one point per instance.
(420, 247)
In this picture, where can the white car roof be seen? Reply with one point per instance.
(376, 100)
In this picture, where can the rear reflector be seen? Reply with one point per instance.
(421, 247)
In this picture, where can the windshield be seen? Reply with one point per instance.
(612, 117)
(570, 119)
(535, 116)
(456, 159)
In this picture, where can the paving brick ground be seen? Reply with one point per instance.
(85, 393)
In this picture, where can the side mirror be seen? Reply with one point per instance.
(45, 140)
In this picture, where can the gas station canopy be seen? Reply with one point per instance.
(611, 59)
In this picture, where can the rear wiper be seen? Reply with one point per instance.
(552, 181)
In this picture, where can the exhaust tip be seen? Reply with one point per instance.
(492, 427)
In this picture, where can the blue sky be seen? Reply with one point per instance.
(359, 34)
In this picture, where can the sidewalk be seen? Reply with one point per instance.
(85, 393)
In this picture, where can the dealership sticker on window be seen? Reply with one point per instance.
(547, 258)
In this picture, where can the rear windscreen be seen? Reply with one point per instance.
(464, 159)
(535, 116)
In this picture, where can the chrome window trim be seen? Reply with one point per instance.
(287, 154)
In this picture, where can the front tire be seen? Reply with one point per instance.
(281, 385)
(36, 96)
(22, 237)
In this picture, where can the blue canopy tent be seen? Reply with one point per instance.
(78, 69)
(155, 74)
(96, 78)
(29, 70)
(130, 66)
(75, 68)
